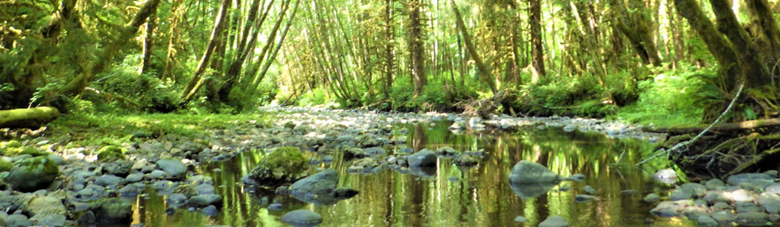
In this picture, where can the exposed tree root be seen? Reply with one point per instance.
(487, 106)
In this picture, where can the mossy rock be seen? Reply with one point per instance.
(113, 210)
(289, 125)
(33, 151)
(32, 174)
(185, 189)
(12, 144)
(5, 165)
(283, 165)
(110, 153)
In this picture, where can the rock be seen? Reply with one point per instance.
(5, 165)
(119, 167)
(320, 183)
(526, 172)
(584, 198)
(521, 219)
(17, 220)
(32, 174)
(466, 160)
(113, 210)
(526, 191)
(110, 153)
(770, 202)
(56, 158)
(756, 179)
(107, 180)
(679, 194)
(651, 198)
(447, 151)
(374, 151)
(554, 221)
(714, 184)
(87, 217)
(44, 206)
(589, 189)
(275, 206)
(752, 218)
(205, 200)
(723, 216)
(302, 218)
(706, 220)
(130, 190)
(667, 176)
(173, 167)
(176, 199)
(458, 125)
(204, 189)
(135, 177)
(423, 158)
(695, 189)
(283, 165)
(210, 210)
(49, 220)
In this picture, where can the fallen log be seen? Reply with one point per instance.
(726, 127)
(27, 118)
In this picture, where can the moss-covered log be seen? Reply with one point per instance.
(27, 118)
(727, 127)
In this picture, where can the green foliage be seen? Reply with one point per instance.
(5, 165)
(672, 98)
(314, 97)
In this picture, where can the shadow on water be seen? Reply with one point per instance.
(453, 196)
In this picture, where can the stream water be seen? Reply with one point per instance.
(450, 195)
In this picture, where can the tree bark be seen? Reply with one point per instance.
(484, 70)
(151, 25)
(537, 47)
(416, 48)
(197, 79)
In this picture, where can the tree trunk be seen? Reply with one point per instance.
(635, 25)
(151, 25)
(389, 47)
(197, 79)
(416, 48)
(537, 48)
(27, 118)
(484, 70)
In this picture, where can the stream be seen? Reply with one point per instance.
(452, 195)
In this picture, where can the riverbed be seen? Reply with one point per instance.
(449, 195)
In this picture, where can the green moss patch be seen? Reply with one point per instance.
(5, 165)
(110, 153)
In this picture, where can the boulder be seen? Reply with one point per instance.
(526, 172)
(423, 158)
(466, 160)
(756, 179)
(302, 218)
(44, 205)
(32, 174)
(554, 221)
(283, 165)
(113, 210)
(17, 220)
(320, 183)
(205, 200)
(173, 167)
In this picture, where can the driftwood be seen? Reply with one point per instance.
(27, 118)
(726, 127)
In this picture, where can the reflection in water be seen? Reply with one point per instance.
(448, 195)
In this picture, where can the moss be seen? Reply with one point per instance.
(285, 164)
(289, 125)
(5, 165)
(33, 151)
(110, 153)
(13, 144)
(185, 189)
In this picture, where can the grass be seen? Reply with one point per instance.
(92, 129)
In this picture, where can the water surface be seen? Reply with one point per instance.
(451, 195)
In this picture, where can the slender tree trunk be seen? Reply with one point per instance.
(389, 48)
(278, 46)
(416, 48)
(176, 14)
(537, 50)
(151, 25)
(484, 70)
(197, 79)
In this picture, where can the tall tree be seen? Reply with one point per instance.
(416, 47)
(197, 79)
(537, 47)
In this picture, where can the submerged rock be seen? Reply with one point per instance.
(526, 191)
(526, 172)
(173, 167)
(113, 210)
(554, 221)
(32, 174)
(301, 218)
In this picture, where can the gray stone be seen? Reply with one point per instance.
(706, 220)
(17, 220)
(174, 167)
(589, 189)
(32, 174)
(679, 194)
(554, 221)
(577, 177)
(44, 206)
(770, 202)
(714, 184)
(204, 189)
(134, 177)
(205, 200)
(320, 183)
(756, 179)
(466, 160)
(87, 217)
(113, 210)
(752, 218)
(695, 189)
(302, 217)
(521, 219)
(107, 180)
(652, 197)
(584, 198)
(423, 158)
(723, 216)
(49, 220)
(526, 172)
(176, 199)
